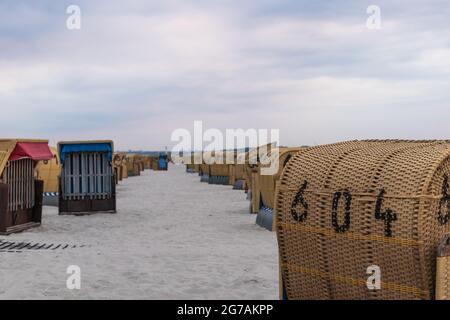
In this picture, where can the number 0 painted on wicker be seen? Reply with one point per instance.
(348, 205)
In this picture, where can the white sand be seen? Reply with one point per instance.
(172, 238)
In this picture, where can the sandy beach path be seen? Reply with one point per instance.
(172, 238)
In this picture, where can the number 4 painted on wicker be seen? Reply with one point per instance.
(388, 216)
(348, 205)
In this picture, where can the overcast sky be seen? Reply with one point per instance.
(137, 70)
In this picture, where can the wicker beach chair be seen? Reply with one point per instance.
(347, 208)
(21, 193)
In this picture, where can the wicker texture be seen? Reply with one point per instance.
(135, 163)
(251, 172)
(219, 170)
(236, 174)
(442, 278)
(204, 169)
(239, 171)
(443, 270)
(124, 171)
(344, 207)
(49, 171)
(218, 165)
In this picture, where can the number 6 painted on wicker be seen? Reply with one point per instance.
(299, 199)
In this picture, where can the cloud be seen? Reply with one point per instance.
(137, 72)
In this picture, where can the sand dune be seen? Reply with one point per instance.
(173, 238)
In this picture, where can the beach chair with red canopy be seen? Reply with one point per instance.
(20, 192)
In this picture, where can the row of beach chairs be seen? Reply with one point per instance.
(356, 220)
(79, 177)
